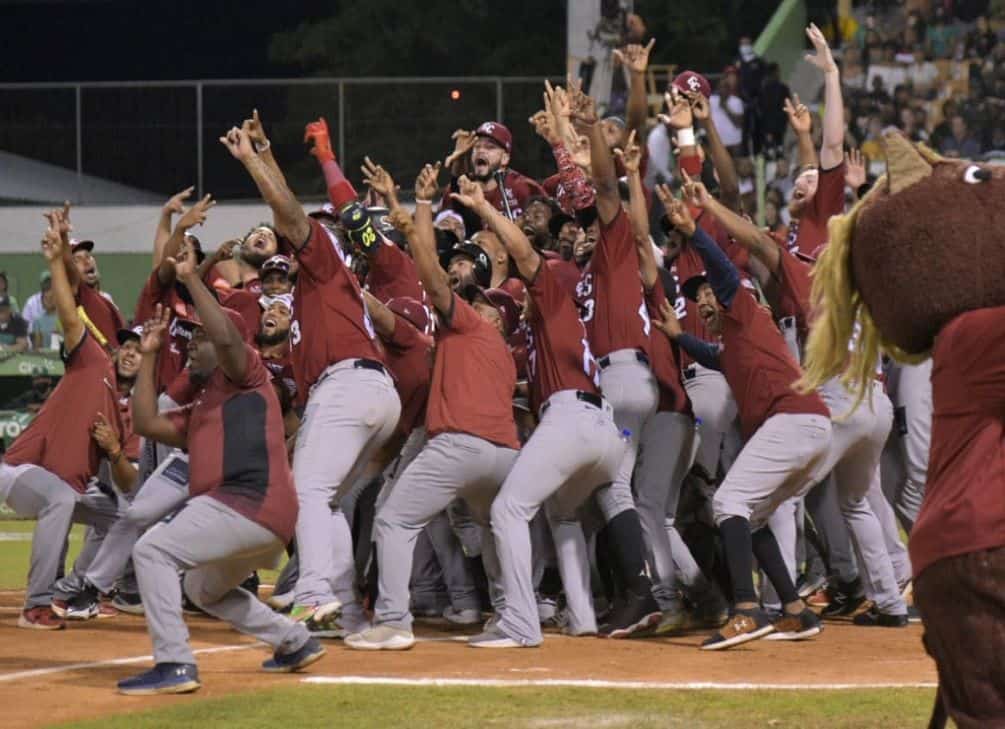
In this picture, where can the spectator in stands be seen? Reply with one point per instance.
(4, 291)
(980, 41)
(33, 399)
(771, 101)
(13, 328)
(33, 307)
(853, 74)
(923, 75)
(727, 110)
(961, 143)
(45, 327)
(943, 130)
(940, 37)
(888, 69)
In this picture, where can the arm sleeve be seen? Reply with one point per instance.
(704, 353)
(722, 274)
(577, 192)
(340, 190)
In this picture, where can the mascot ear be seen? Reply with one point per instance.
(904, 163)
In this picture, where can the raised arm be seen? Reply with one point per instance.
(290, 220)
(638, 212)
(748, 235)
(422, 240)
(382, 317)
(519, 248)
(174, 206)
(55, 244)
(195, 215)
(722, 274)
(221, 331)
(636, 59)
(722, 160)
(147, 421)
(702, 352)
(340, 190)
(256, 132)
(554, 125)
(832, 147)
(605, 178)
(802, 124)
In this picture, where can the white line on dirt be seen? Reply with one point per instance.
(598, 684)
(35, 673)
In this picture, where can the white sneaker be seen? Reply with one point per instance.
(494, 638)
(327, 610)
(462, 617)
(547, 609)
(381, 638)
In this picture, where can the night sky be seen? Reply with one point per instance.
(105, 40)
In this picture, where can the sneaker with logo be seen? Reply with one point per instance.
(743, 626)
(164, 678)
(796, 627)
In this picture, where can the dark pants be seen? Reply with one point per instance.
(962, 604)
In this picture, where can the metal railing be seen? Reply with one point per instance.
(161, 136)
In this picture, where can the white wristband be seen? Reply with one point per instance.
(685, 137)
(423, 202)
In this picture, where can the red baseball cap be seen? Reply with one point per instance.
(498, 133)
(411, 310)
(689, 81)
(515, 288)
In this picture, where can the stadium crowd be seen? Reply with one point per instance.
(566, 402)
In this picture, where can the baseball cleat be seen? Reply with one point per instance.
(796, 627)
(40, 618)
(328, 610)
(128, 602)
(742, 627)
(674, 620)
(310, 652)
(807, 586)
(637, 614)
(845, 598)
(875, 619)
(329, 627)
(462, 617)
(495, 638)
(164, 678)
(381, 638)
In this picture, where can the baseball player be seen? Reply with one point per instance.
(243, 506)
(472, 439)
(613, 308)
(906, 456)
(787, 438)
(349, 396)
(575, 447)
(47, 474)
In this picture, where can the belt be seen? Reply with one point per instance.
(690, 372)
(607, 361)
(588, 397)
(369, 364)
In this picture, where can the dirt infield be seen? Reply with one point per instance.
(50, 677)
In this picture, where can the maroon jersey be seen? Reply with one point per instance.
(237, 447)
(246, 304)
(518, 190)
(794, 285)
(758, 366)
(102, 313)
(182, 388)
(473, 379)
(609, 293)
(173, 355)
(963, 510)
(331, 323)
(130, 440)
(393, 275)
(59, 438)
(808, 232)
(410, 359)
(559, 356)
(280, 366)
(666, 370)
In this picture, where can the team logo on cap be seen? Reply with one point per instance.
(693, 83)
(488, 128)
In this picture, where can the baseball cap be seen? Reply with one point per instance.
(692, 81)
(690, 287)
(498, 133)
(265, 301)
(474, 253)
(502, 301)
(515, 288)
(81, 245)
(410, 310)
(125, 335)
(276, 263)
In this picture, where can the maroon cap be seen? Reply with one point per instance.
(498, 133)
(509, 310)
(411, 310)
(689, 81)
(515, 288)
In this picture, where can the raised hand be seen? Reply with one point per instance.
(104, 436)
(380, 181)
(667, 320)
(631, 155)
(152, 338)
(680, 116)
(255, 131)
(822, 59)
(635, 57)
(557, 101)
(225, 251)
(544, 125)
(238, 143)
(694, 191)
(471, 194)
(582, 107)
(699, 105)
(176, 203)
(185, 265)
(426, 186)
(799, 116)
(196, 215)
(53, 241)
(464, 140)
(665, 194)
(680, 216)
(402, 220)
(854, 175)
(317, 132)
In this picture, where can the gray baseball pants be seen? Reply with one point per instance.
(34, 492)
(217, 549)
(575, 448)
(629, 386)
(664, 459)
(451, 465)
(906, 469)
(350, 414)
(782, 523)
(822, 503)
(715, 408)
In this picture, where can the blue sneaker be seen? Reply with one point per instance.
(164, 678)
(311, 651)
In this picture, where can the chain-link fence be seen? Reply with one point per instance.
(159, 137)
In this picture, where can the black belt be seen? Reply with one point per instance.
(690, 372)
(605, 362)
(588, 397)
(369, 364)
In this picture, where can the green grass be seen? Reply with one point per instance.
(381, 707)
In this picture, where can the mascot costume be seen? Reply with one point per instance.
(915, 270)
